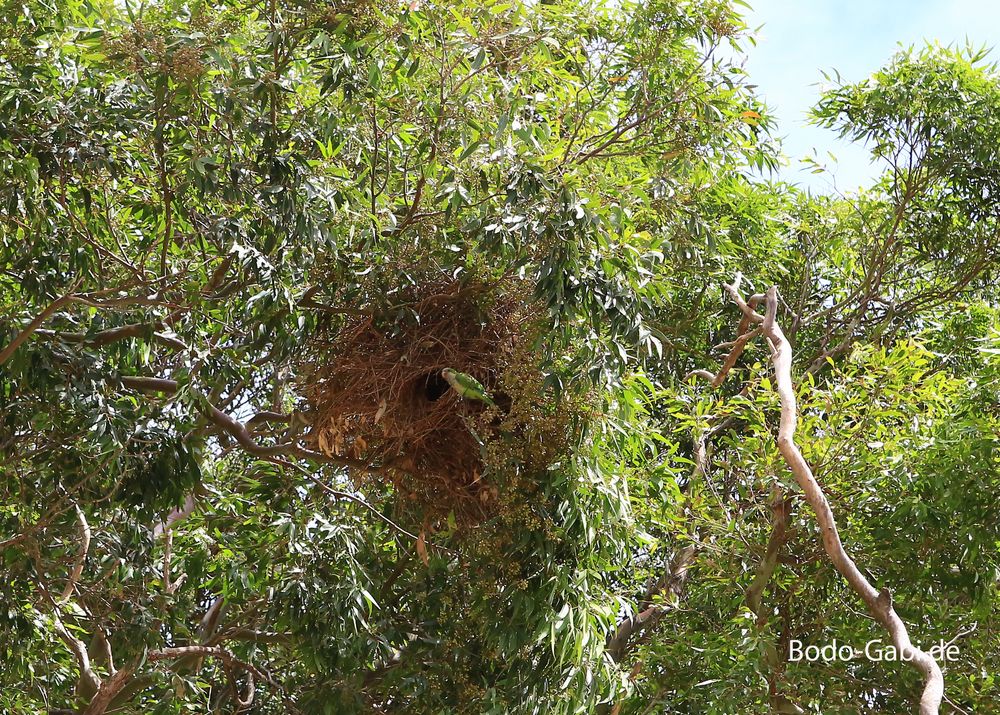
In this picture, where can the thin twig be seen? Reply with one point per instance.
(273, 453)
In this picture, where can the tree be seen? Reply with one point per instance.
(239, 244)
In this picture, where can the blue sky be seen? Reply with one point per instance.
(799, 38)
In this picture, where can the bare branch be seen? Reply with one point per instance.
(81, 557)
(879, 602)
(107, 692)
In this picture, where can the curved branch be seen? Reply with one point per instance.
(35, 324)
(107, 692)
(79, 651)
(879, 602)
(81, 557)
(88, 676)
(670, 584)
(237, 430)
(176, 515)
(212, 652)
(273, 453)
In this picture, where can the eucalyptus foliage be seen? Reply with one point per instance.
(190, 192)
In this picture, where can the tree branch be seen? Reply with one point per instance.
(169, 585)
(107, 692)
(211, 652)
(35, 324)
(238, 431)
(77, 647)
(123, 332)
(879, 602)
(671, 583)
(81, 557)
(781, 508)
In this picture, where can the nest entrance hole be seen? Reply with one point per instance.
(435, 387)
(379, 396)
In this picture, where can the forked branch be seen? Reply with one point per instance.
(879, 602)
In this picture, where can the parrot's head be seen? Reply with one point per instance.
(448, 374)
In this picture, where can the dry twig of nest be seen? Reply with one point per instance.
(376, 393)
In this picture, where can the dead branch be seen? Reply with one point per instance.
(879, 602)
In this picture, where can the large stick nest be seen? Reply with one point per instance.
(376, 393)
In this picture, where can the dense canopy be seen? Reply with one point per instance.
(243, 246)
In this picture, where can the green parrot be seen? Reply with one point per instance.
(466, 385)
